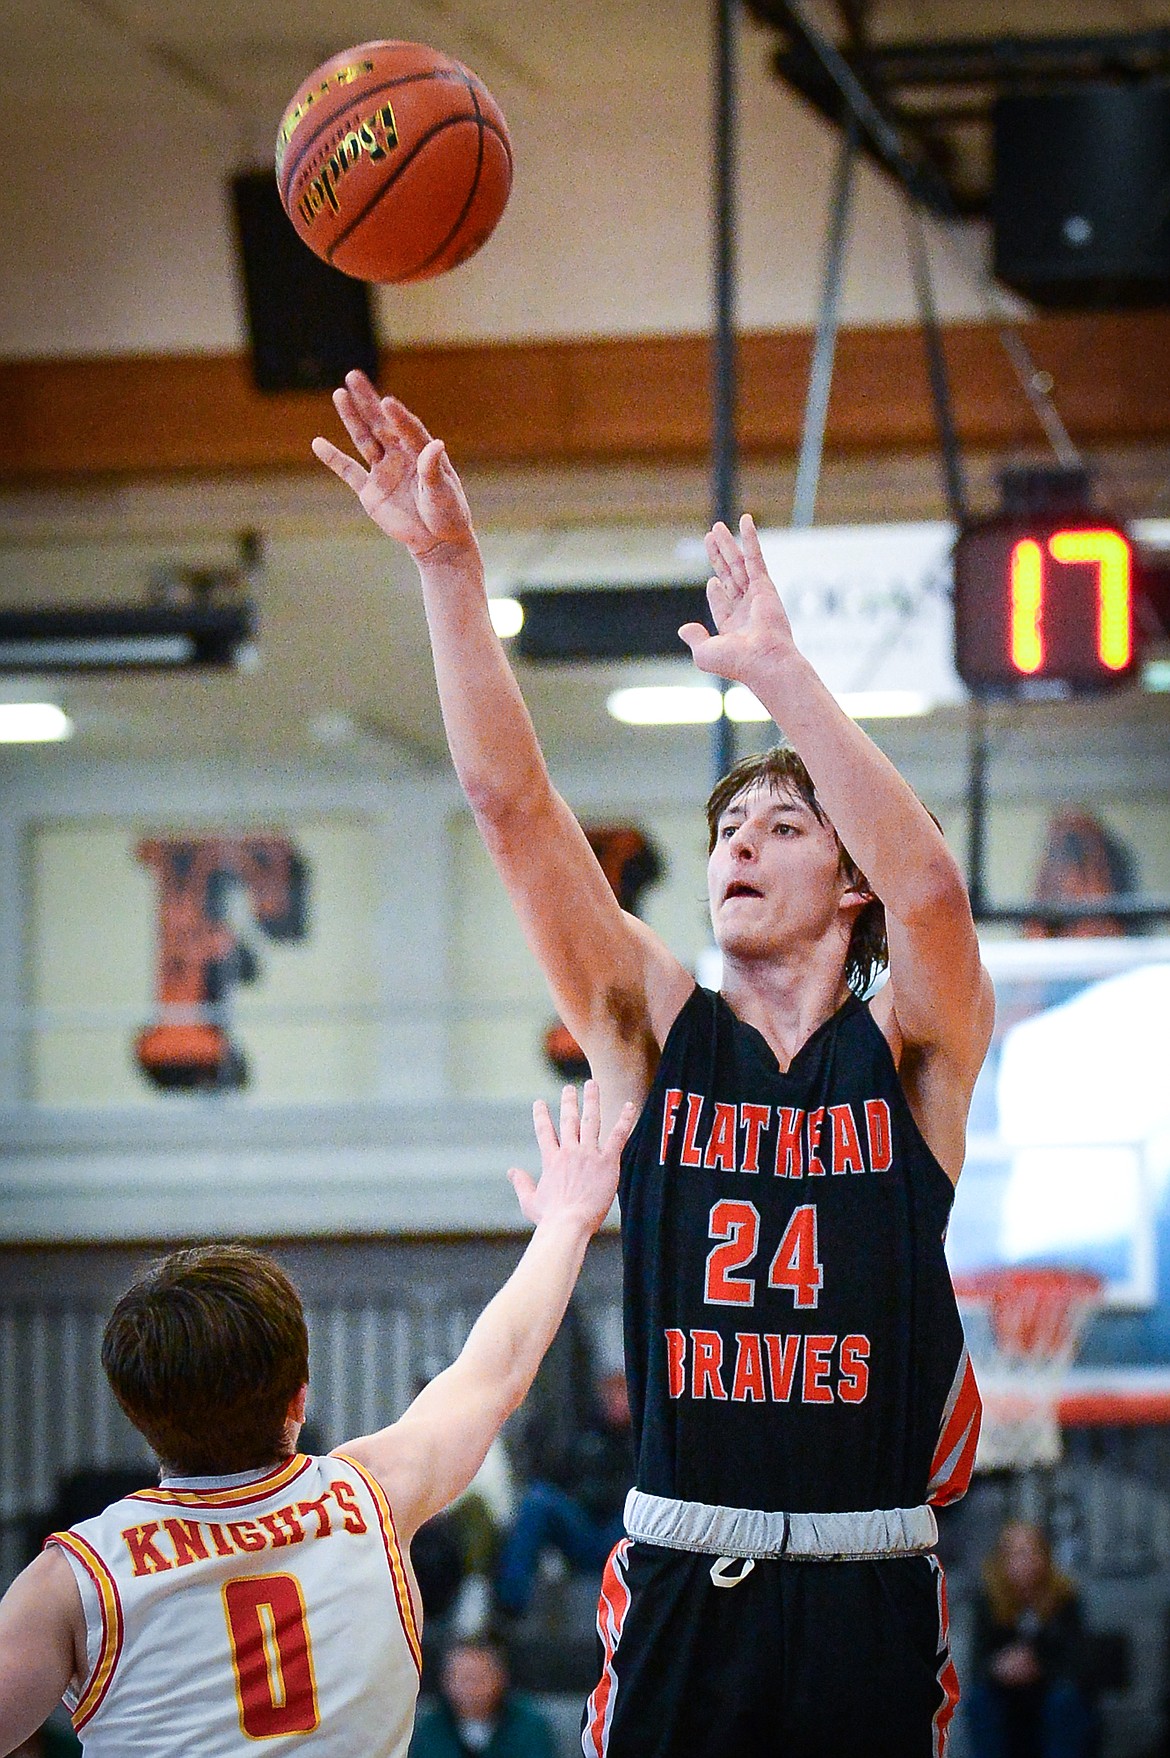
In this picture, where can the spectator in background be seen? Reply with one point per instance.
(577, 1510)
(1026, 1699)
(1083, 860)
(477, 1712)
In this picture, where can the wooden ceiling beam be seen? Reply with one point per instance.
(588, 401)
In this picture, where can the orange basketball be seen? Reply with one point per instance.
(393, 162)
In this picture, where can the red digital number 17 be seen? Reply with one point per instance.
(1106, 551)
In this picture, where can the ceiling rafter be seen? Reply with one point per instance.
(935, 98)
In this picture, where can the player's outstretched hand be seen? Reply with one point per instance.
(752, 630)
(407, 483)
(578, 1172)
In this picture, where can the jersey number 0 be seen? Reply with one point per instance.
(271, 1655)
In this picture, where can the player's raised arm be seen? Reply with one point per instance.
(938, 1001)
(426, 1458)
(589, 950)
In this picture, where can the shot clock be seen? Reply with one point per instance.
(1044, 607)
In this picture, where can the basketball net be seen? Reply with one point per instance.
(1024, 1327)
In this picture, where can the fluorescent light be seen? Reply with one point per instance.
(665, 705)
(696, 704)
(111, 650)
(740, 704)
(883, 704)
(507, 616)
(1156, 676)
(32, 723)
(125, 637)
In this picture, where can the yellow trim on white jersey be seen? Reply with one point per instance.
(97, 1684)
(393, 1556)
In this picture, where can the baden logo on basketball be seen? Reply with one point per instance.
(376, 136)
(393, 162)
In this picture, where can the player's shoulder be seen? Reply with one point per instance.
(46, 1597)
(49, 1572)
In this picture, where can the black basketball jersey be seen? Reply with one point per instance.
(792, 1337)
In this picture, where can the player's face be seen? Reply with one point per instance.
(774, 876)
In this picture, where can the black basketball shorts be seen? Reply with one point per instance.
(796, 1660)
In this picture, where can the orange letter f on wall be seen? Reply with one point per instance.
(200, 956)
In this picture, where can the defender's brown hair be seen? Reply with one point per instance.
(780, 769)
(205, 1354)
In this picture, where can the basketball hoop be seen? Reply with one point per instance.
(1023, 1326)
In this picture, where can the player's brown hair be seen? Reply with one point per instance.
(205, 1354)
(780, 769)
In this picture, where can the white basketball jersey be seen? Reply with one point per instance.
(226, 1616)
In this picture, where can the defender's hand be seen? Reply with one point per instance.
(752, 630)
(579, 1174)
(408, 485)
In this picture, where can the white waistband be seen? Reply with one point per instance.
(750, 1532)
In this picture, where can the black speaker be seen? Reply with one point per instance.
(308, 323)
(606, 622)
(1081, 199)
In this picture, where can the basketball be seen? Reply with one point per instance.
(393, 162)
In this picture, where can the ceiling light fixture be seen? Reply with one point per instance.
(507, 616)
(139, 638)
(699, 704)
(740, 704)
(665, 705)
(33, 723)
(883, 704)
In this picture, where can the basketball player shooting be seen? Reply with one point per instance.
(260, 1595)
(801, 1393)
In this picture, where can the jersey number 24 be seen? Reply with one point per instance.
(796, 1264)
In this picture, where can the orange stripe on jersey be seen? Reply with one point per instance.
(948, 1678)
(112, 1626)
(611, 1616)
(393, 1557)
(256, 1491)
(954, 1457)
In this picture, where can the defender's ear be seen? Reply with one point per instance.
(296, 1409)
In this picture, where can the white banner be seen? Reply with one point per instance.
(871, 607)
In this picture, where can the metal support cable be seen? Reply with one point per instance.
(724, 461)
(1037, 387)
(922, 182)
(1035, 383)
(725, 488)
(940, 389)
(882, 134)
(816, 408)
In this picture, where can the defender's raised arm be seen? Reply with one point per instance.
(425, 1459)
